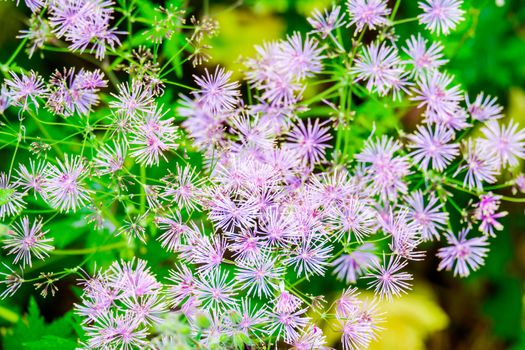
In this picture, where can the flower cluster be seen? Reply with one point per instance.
(276, 199)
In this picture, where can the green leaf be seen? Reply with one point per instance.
(51, 342)
(32, 332)
(5, 195)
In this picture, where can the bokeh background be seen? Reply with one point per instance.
(487, 52)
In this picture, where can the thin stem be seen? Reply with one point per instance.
(88, 250)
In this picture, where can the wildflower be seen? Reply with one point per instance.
(301, 59)
(429, 217)
(250, 320)
(432, 147)
(85, 24)
(228, 214)
(486, 212)
(27, 88)
(388, 280)
(309, 141)
(422, 58)
(383, 168)
(215, 290)
(133, 227)
(32, 178)
(152, 136)
(380, 66)
(12, 280)
(209, 254)
(64, 186)
(325, 23)
(110, 159)
(132, 98)
(38, 34)
(371, 13)
(133, 279)
(484, 108)
(259, 275)
(74, 92)
(481, 165)
(433, 92)
(27, 240)
(312, 337)
(406, 235)
(216, 92)
(112, 330)
(310, 257)
(506, 141)
(173, 232)
(348, 267)
(355, 218)
(11, 200)
(286, 324)
(463, 254)
(441, 16)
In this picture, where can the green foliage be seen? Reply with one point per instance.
(32, 332)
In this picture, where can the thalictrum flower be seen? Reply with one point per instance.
(441, 16)
(27, 240)
(462, 254)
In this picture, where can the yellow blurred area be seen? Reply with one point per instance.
(240, 30)
(408, 321)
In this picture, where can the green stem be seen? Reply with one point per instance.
(89, 250)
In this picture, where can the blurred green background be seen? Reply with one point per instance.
(486, 53)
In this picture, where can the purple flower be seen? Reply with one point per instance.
(441, 16)
(25, 89)
(430, 217)
(38, 33)
(463, 254)
(309, 141)
(484, 108)
(64, 186)
(301, 59)
(382, 168)
(32, 178)
(371, 13)
(12, 280)
(217, 93)
(506, 141)
(259, 275)
(310, 257)
(312, 337)
(422, 58)
(153, 136)
(214, 290)
(388, 279)
(72, 92)
(286, 324)
(11, 200)
(229, 214)
(486, 212)
(85, 24)
(27, 240)
(481, 165)
(325, 23)
(110, 158)
(184, 187)
(431, 147)
(116, 331)
(348, 267)
(132, 98)
(433, 92)
(354, 217)
(380, 66)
